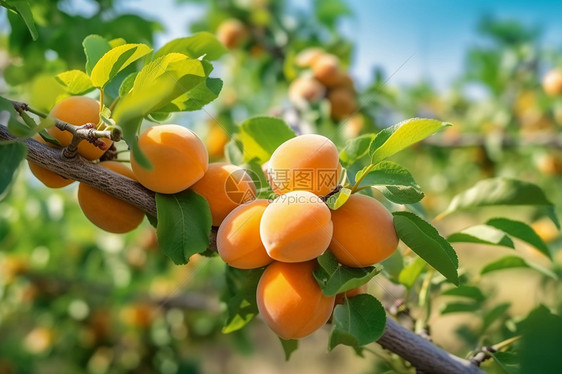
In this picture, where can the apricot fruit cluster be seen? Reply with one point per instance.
(323, 77)
(288, 233)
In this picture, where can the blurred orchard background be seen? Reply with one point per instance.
(76, 299)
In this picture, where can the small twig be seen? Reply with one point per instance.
(486, 352)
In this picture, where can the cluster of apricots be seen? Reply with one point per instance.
(552, 82)
(323, 77)
(285, 234)
(288, 233)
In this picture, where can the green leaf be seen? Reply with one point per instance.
(329, 11)
(411, 273)
(233, 152)
(23, 9)
(482, 234)
(460, 308)
(355, 149)
(392, 266)
(334, 278)
(396, 182)
(196, 98)
(116, 60)
(11, 154)
(155, 86)
(336, 201)
(359, 321)
(510, 262)
(260, 137)
(469, 292)
(425, 241)
(95, 47)
(240, 297)
(520, 230)
(289, 346)
(195, 46)
(395, 138)
(493, 315)
(75, 82)
(184, 225)
(9, 117)
(127, 84)
(501, 191)
(49, 138)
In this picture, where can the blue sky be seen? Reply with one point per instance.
(434, 33)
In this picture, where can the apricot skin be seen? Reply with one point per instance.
(216, 141)
(327, 71)
(78, 111)
(47, 177)
(178, 158)
(306, 162)
(342, 103)
(306, 89)
(296, 227)
(225, 187)
(238, 238)
(291, 301)
(108, 212)
(364, 232)
(552, 83)
(231, 33)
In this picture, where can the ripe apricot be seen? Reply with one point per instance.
(47, 177)
(307, 57)
(350, 293)
(78, 111)
(326, 69)
(216, 140)
(364, 232)
(225, 187)
(342, 103)
(231, 32)
(296, 227)
(307, 162)
(306, 89)
(107, 212)
(238, 239)
(552, 82)
(291, 301)
(178, 158)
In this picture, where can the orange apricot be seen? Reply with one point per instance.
(290, 300)
(307, 162)
(177, 156)
(78, 111)
(238, 239)
(552, 82)
(47, 177)
(307, 57)
(340, 298)
(225, 187)
(306, 89)
(364, 232)
(231, 33)
(107, 212)
(296, 227)
(342, 103)
(216, 140)
(326, 69)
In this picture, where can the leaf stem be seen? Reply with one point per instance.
(355, 187)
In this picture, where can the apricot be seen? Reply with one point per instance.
(238, 239)
(307, 57)
(340, 298)
(178, 158)
(107, 212)
(552, 82)
(291, 301)
(296, 227)
(232, 33)
(216, 141)
(364, 232)
(47, 177)
(326, 69)
(342, 103)
(78, 111)
(307, 162)
(306, 89)
(225, 187)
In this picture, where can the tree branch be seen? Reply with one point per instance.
(419, 352)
